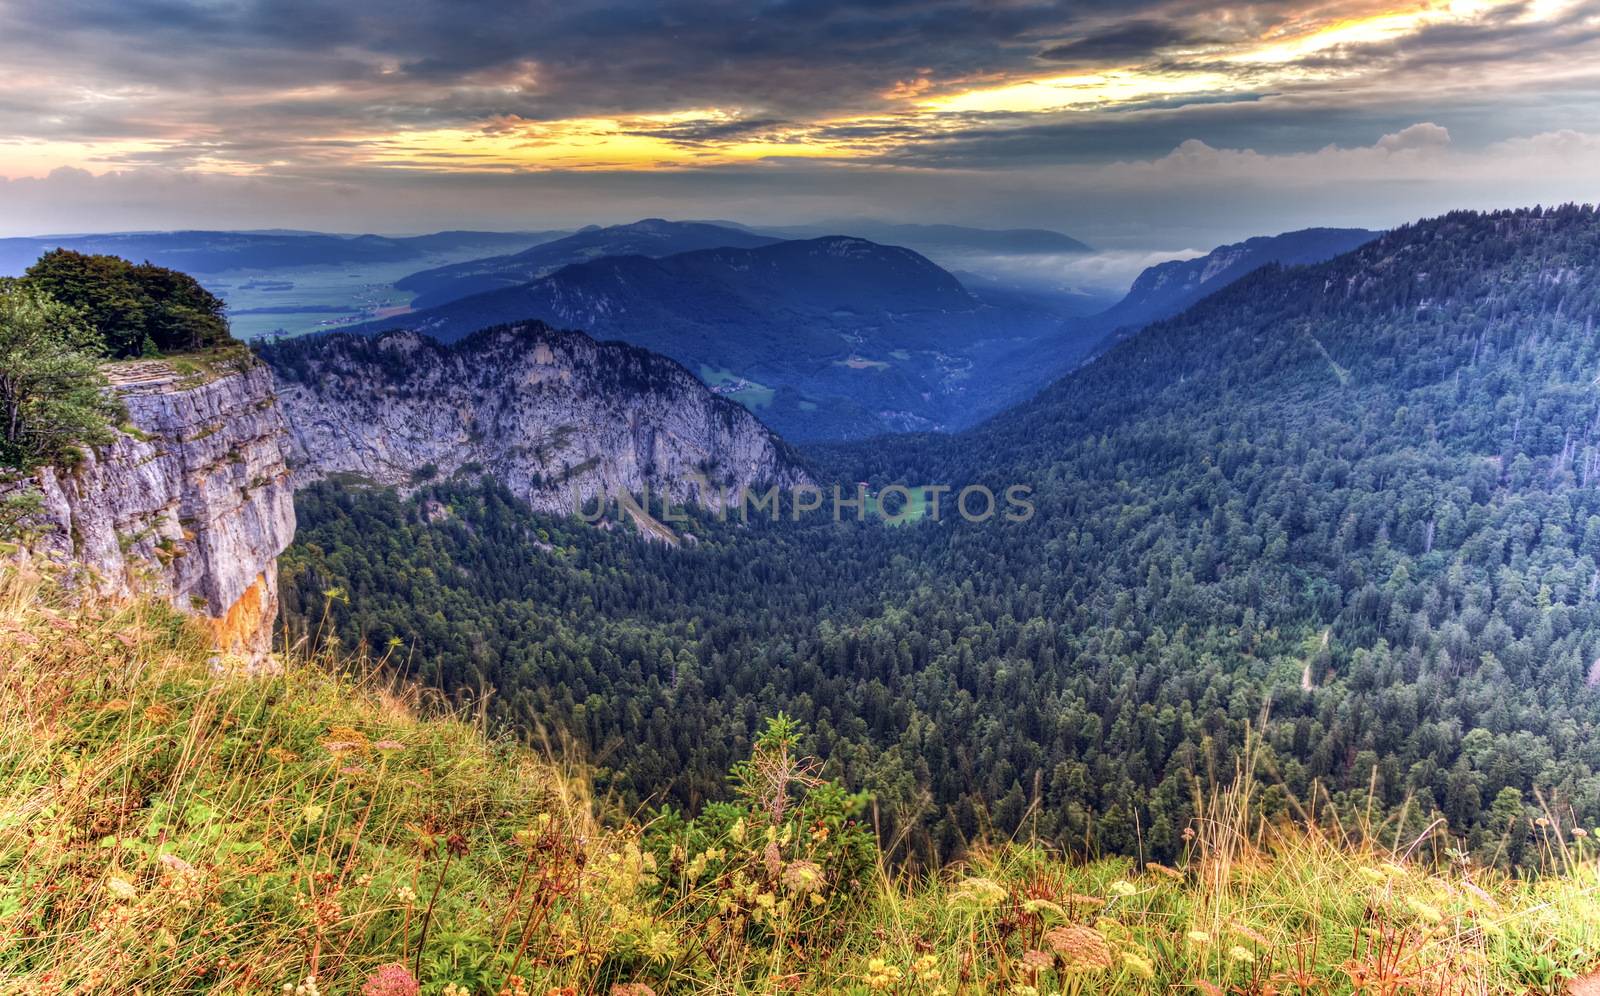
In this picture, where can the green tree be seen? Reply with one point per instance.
(52, 397)
(138, 310)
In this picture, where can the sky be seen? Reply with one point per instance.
(1131, 124)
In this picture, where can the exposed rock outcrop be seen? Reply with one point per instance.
(192, 500)
(555, 416)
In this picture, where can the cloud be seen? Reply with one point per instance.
(1425, 136)
(371, 114)
(1137, 40)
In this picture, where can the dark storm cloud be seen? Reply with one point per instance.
(312, 102)
(591, 57)
(1139, 40)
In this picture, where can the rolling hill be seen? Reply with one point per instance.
(652, 237)
(217, 252)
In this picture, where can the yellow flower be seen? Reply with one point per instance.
(1041, 906)
(1241, 954)
(1138, 965)
(802, 876)
(979, 893)
(660, 946)
(1123, 888)
(1198, 937)
(881, 975)
(1424, 911)
(120, 887)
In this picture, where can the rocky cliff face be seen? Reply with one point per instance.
(555, 416)
(192, 500)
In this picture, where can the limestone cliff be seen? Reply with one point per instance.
(552, 415)
(192, 500)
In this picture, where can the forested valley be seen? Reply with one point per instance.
(1350, 508)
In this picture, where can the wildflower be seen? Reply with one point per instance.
(926, 969)
(1038, 961)
(307, 987)
(1023, 990)
(1579, 832)
(1241, 954)
(632, 989)
(392, 979)
(1123, 889)
(453, 989)
(802, 876)
(282, 756)
(1251, 934)
(1040, 906)
(1138, 965)
(406, 895)
(159, 714)
(1424, 911)
(660, 946)
(1198, 937)
(312, 812)
(341, 739)
(1374, 876)
(1081, 949)
(881, 975)
(121, 887)
(389, 745)
(979, 893)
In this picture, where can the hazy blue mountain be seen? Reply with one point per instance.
(824, 338)
(1168, 288)
(651, 237)
(933, 239)
(205, 252)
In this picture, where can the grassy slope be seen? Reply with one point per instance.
(166, 827)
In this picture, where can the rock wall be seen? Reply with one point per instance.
(554, 416)
(192, 500)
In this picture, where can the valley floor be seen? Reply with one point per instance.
(171, 825)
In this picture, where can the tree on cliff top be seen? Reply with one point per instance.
(137, 309)
(52, 396)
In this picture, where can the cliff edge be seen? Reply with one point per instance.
(192, 501)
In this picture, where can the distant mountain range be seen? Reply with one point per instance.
(651, 237)
(655, 237)
(834, 337)
(1167, 289)
(828, 338)
(203, 252)
(932, 240)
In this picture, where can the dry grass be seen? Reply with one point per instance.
(169, 826)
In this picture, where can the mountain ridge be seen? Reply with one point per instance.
(651, 237)
(558, 416)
